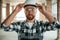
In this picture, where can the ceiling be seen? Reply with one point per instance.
(15, 2)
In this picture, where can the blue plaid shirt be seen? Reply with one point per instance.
(34, 33)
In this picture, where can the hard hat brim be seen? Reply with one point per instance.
(30, 5)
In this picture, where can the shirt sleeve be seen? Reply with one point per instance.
(47, 26)
(12, 27)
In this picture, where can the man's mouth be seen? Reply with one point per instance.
(30, 17)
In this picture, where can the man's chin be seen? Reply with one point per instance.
(30, 18)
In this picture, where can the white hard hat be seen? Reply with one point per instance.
(30, 2)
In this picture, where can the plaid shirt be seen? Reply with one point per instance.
(34, 33)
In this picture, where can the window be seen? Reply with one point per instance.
(3, 13)
(54, 10)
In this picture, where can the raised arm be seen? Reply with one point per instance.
(8, 20)
(45, 13)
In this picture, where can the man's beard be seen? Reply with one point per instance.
(30, 17)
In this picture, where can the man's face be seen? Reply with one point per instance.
(30, 12)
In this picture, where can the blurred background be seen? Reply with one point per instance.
(7, 6)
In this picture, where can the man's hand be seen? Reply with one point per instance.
(41, 8)
(19, 7)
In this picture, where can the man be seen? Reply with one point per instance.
(30, 29)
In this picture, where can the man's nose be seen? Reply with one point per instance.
(30, 12)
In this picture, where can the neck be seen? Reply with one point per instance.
(30, 20)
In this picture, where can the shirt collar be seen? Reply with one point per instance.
(34, 24)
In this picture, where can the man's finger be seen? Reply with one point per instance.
(38, 5)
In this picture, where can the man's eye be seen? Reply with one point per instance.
(26, 9)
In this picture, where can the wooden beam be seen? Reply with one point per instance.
(0, 10)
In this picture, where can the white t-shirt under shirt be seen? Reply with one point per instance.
(30, 24)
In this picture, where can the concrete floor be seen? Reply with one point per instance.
(49, 35)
